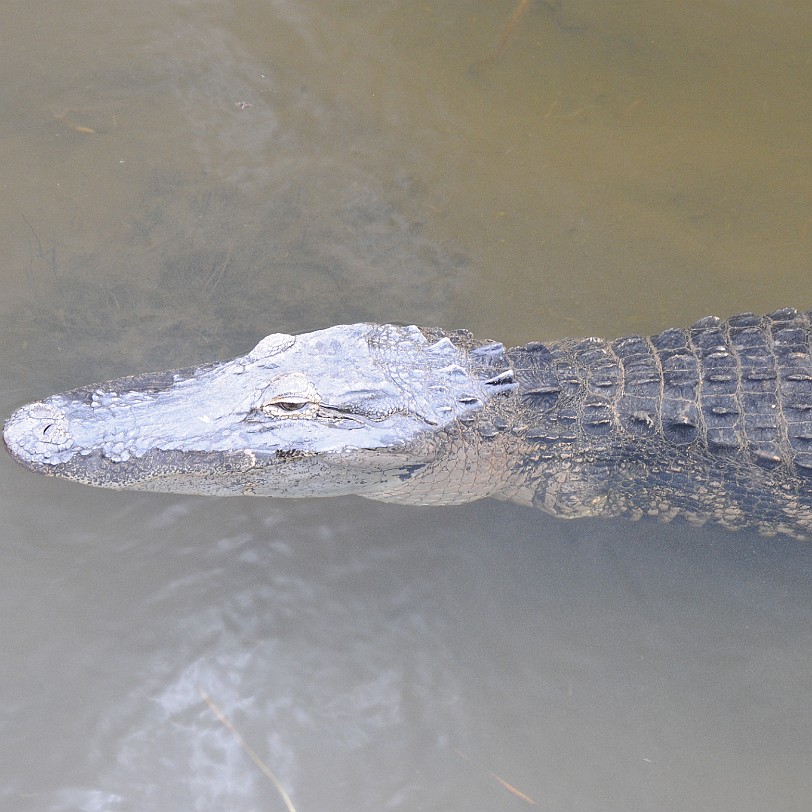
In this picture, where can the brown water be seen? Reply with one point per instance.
(182, 178)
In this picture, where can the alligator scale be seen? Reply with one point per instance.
(713, 422)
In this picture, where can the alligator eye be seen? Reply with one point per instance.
(273, 407)
(289, 392)
(291, 405)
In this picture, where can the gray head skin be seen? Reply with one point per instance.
(354, 409)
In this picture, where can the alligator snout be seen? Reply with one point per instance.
(38, 434)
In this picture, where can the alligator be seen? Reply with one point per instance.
(712, 423)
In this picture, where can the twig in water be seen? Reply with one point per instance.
(507, 35)
(264, 768)
(501, 781)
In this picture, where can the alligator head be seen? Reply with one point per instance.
(363, 408)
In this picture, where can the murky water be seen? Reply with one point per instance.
(180, 179)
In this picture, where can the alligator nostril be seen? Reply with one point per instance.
(39, 433)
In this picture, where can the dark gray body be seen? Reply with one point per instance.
(713, 423)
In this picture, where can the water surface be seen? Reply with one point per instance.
(179, 181)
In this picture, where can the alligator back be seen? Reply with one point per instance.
(713, 422)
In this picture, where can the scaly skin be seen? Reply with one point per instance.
(713, 423)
